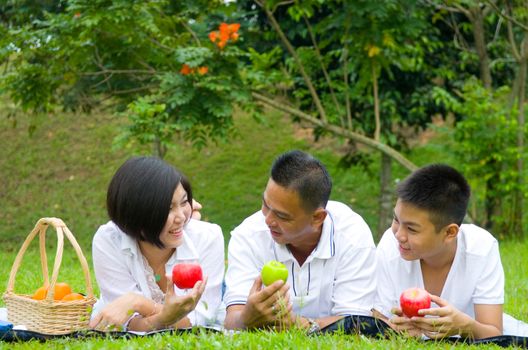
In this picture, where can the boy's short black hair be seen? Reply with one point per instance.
(140, 194)
(303, 173)
(439, 189)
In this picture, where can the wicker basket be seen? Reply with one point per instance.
(49, 316)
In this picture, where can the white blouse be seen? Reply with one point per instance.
(121, 268)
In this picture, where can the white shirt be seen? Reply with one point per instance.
(338, 278)
(119, 266)
(476, 275)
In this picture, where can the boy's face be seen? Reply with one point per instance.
(416, 234)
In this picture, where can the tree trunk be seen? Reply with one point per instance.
(477, 21)
(517, 229)
(493, 202)
(385, 198)
(158, 149)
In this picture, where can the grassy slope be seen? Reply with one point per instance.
(64, 168)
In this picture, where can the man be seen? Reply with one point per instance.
(327, 248)
(429, 247)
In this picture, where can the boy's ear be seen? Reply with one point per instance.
(318, 216)
(452, 230)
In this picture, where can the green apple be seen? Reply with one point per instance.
(273, 271)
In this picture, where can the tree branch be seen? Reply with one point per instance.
(456, 9)
(511, 37)
(121, 71)
(323, 68)
(297, 60)
(376, 145)
(508, 17)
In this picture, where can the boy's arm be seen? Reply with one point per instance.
(446, 320)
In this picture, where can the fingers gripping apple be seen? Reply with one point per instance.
(414, 299)
(273, 271)
(185, 276)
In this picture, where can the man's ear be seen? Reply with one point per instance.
(451, 231)
(318, 216)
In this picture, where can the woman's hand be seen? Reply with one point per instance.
(116, 313)
(177, 306)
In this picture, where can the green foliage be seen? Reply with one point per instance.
(485, 143)
(131, 52)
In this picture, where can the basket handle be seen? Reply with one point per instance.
(40, 228)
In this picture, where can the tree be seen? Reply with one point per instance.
(154, 61)
(498, 32)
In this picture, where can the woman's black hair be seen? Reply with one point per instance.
(140, 194)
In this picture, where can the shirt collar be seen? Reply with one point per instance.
(325, 249)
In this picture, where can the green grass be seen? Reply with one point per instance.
(63, 170)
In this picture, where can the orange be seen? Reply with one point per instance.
(73, 296)
(40, 294)
(61, 290)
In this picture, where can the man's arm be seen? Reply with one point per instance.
(264, 307)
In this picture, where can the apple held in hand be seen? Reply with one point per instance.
(273, 271)
(185, 276)
(414, 299)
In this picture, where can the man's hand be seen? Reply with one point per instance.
(196, 207)
(269, 306)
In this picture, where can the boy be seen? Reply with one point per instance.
(429, 247)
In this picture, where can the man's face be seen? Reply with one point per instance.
(288, 222)
(416, 234)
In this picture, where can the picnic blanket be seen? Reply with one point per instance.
(349, 325)
(374, 327)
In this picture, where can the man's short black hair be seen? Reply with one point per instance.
(299, 171)
(140, 194)
(439, 189)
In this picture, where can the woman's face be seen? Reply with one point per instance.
(180, 212)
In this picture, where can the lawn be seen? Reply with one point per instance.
(63, 169)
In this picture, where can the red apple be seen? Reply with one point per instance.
(185, 276)
(414, 299)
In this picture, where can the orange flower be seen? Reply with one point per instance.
(77, 15)
(213, 36)
(225, 33)
(203, 70)
(185, 70)
(233, 28)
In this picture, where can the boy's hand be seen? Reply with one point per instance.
(403, 324)
(444, 321)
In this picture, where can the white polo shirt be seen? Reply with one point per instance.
(119, 267)
(338, 278)
(476, 276)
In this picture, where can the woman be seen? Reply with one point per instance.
(150, 207)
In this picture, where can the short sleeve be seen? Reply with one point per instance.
(242, 269)
(490, 285)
